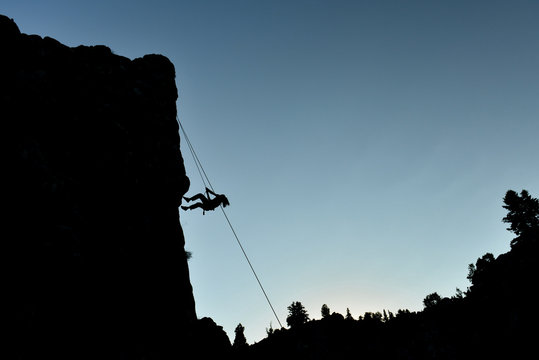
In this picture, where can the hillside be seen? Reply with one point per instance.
(494, 318)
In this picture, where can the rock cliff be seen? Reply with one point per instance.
(96, 266)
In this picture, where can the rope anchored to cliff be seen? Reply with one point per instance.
(218, 201)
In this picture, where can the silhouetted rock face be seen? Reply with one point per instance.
(95, 251)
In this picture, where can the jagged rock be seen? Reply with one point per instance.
(208, 332)
(94, 249)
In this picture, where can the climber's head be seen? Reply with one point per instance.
(224, 201)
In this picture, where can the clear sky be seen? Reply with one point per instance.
(365, 146)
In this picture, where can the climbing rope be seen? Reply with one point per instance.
(193, 154)
(205, 179)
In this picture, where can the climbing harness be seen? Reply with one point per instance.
(205, 180)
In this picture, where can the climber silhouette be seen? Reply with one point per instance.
(206, 203)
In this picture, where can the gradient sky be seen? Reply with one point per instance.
(365, 146)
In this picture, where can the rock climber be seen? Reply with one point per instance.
(206, 203)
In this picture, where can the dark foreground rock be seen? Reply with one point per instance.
(93, 247)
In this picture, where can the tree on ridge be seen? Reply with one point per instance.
(297, 314)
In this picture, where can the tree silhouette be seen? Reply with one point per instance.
(348, 315)
(325, 311)
(476, 272)
(239, 340)
(432, 300)
(297, 314)
(270, 331)
(522, 215)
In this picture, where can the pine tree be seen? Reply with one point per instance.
(325, 311)
(348, 315)
(297, 314)
(240, 341)
(522, 215)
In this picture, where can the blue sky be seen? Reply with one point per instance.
(365, 146)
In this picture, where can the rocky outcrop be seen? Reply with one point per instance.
(96, 266)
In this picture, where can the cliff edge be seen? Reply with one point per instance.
(96, 266)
